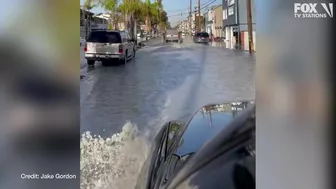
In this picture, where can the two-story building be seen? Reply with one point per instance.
(213, 22)
(235, 23)
(218, 21)
(209, 20)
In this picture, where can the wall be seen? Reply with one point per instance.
(242, 10)
(246, 41)
(232, 19)
(218, 21)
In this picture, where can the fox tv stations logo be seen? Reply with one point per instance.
(313, 10)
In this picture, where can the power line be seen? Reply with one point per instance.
(195, 11)
(186, 9)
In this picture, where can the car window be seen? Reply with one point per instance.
(113, 37)
(97, 37)
(203, 34)
(104, 37)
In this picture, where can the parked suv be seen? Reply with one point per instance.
(107, 46)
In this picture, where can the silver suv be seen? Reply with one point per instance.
(107, 46)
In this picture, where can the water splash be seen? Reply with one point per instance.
(113, 162)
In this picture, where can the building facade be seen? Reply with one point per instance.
(85, 23)
(235, 23)
(218, 21)
(213, 21)
(209, 20)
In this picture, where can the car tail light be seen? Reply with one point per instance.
(85, 47)
(120, 49)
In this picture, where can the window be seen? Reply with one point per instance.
(225, 14)
(202, 34)
(104, 37)
(231, 2)
(231, 11)
(113, 37)
(97, 37)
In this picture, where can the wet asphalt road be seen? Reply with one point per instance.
(163, 82)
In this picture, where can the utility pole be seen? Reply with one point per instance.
(195, 24)
(190, 18)
(199, 15)
(249, 26)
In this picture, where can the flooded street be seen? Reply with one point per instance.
(123, 106)
(162, 83)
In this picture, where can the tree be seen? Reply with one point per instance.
(89, 4)
(151, 12)
(133, 11)
(112, 7)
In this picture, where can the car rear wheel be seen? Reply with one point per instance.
(90, 62)
(134, 51)
(124, 60)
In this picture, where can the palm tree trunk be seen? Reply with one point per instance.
(131, 24)
(147, 23)
(126, 21)
(115, 21)
(135, 31)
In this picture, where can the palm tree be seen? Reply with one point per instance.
(151, 11)
(89, 4)
(133, 11)
(111, 6)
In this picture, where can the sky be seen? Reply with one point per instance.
(173, 8)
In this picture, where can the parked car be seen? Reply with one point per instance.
(216, 147)
(172, 35)
(201, 37)
(107, 46)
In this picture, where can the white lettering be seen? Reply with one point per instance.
(305, 7)
(67, 176)
(309, 10)
(297, 7)
(297, 15)
(31, 176)
(47, 176)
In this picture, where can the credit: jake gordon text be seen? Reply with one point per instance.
(57, 176)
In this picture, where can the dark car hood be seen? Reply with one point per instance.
(179, 142)
(206, 124)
